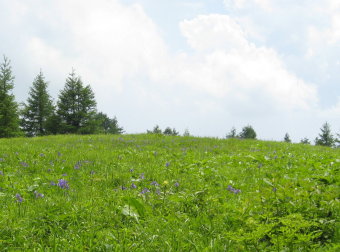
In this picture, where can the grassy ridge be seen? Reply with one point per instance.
(150, 192)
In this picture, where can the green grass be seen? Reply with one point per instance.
(288, 199)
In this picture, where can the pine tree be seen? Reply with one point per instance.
(9, 117)
(77, 107)
(248, 132)
(287, 138)
(38, 110)
(325, 137)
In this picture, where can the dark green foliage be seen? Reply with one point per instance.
(325, 137)
(248, 133)
(305, 141)
(287, 138)
(156, 130)
(170, 132)
(77, 107)
(107, 125)
(232, 133)
(9, 118)
(53, 124)
(38, 110)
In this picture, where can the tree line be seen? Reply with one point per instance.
(325, 138)
(74, 112)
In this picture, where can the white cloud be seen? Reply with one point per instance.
(228, 64)
(325, 37)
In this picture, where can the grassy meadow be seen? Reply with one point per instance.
(163, 193)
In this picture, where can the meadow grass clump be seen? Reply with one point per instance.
(153, 192)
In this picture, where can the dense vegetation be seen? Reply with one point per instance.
(154, 192)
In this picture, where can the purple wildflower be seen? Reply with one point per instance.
(123, 188)
(158, 192)
(1, 159)
(59, 154)
(131, 170)
(167, 164)
(19, 198)
(92, 172)
(53, 183)
(64, 175)
(176, 184)
(133, 186)
(274, 189)
(42, 155)
(63, 184)
(1, 173)
(38, 195)
(77, 165)
(142, 176)
(154, 183)
(233, 190)
(24, 164)
(145, 190)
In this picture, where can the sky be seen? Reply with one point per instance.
(205, 66)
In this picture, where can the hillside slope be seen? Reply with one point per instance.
(150, 192)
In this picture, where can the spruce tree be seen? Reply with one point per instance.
(9, 117)
(77, 107)
(38, 110)
(325, 137)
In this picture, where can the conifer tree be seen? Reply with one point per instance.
(325, 137)
(38, 110)
(77, 107)
(287, 138)
(9, 117)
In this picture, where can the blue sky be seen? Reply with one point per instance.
(202, 65)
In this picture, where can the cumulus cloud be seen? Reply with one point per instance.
(228, 64)
(320, 38)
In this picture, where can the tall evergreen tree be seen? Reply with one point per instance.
(38, 110)
(325, 137)
(77, 107)
(9, 117)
